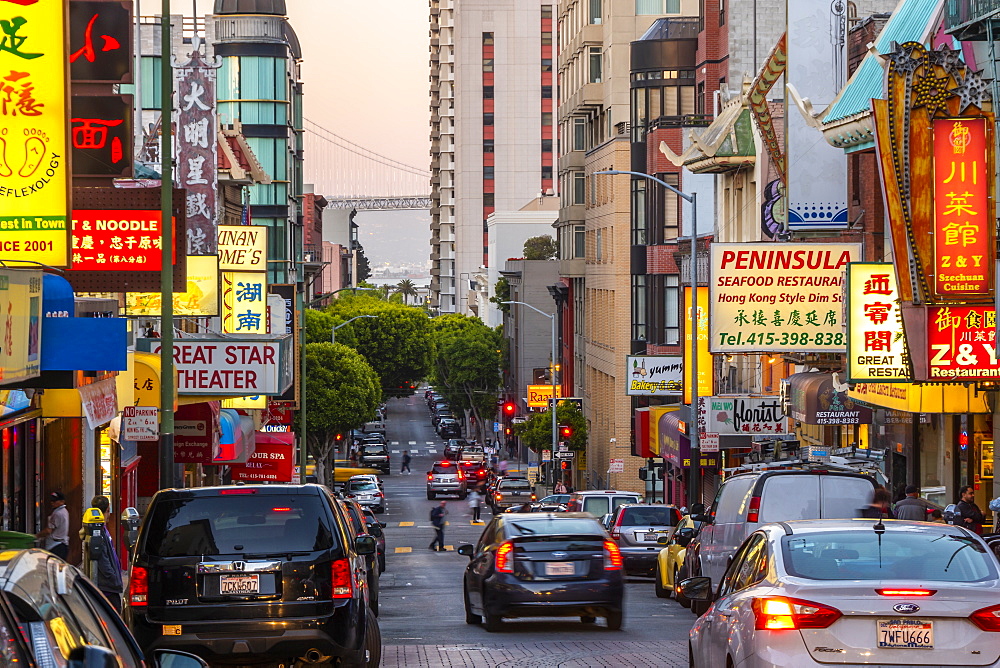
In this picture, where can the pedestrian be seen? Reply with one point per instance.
(109, 566)
(475, 503)
(560, 488)
(57, 531)
(879, 506)
(503, 467)
(936, 516)
(969, 514)
(438, 513)
(405, 467)
(912, 507)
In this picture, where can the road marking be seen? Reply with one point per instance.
(394, 443)
(450, 547)
(395, 452)
(403, 550)
(430, 442)
(475, 523)
(413, 442)
(432, 452)
(406, 524)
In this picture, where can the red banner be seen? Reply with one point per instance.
(963, 211)
(961, 343)
(272, 461)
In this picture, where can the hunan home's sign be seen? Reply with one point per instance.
(242, 248)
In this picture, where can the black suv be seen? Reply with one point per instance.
(252, 573)
(375, 455)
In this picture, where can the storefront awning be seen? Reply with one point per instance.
(236, 445)
(817, 399)
(674, 444)
(927, 398)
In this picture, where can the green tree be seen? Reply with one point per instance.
(536, 431)
(364, 267)
(542, 247)
(501, 294)
(406, 288)
(343, 391)
(467, 365)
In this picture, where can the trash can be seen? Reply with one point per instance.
(15, 540)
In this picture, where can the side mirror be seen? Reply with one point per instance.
(365, 545)
(92, 656)
(686, 532)
(466, 550)
(375, 528)
(382, 524)
(696, 589)
(172, 658)
(707, 519)
(697, 509)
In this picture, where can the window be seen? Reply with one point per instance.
(546, 146)
(699, 100)
(546, 11)
(488, 146)
(487, 92)
(488, 172)
(488, 118)
(748, 567)
(596, 64)
(672, 310)
(487, 64)
(546, 64)
(546, 92)
(639, 307)
(655, 7)
(722, 12)
(546, 117)
(546, 38)
(595, 12)
(487, 39)
(579, 241)
(488, 200)
(579, 133)
(579, 188)
(599, 252)
(546, 171)
(638, 212)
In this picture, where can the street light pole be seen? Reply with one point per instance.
(333, 332)
(555, 424)
(694, 486)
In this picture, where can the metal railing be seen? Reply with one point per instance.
(961, 12)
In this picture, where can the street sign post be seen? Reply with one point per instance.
(546, 455)
(565, 455)
(616, 466)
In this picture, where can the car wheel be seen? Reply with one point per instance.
(492, 622)
(430, 496)
(469, 617)
(587, 619)
(614, 619)
(381, 563)
(373, 642)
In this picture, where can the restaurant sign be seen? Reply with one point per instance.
(961, 343)
(118, 240)
(876, 345)
(654, 375)
(242, 248)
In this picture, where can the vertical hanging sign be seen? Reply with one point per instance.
(244, 302)
(963, 210)
(197, 150)
(34, 187)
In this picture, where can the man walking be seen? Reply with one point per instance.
(969, 514)
(57, 530)
(438, 513)
(911, 507)
(405, 467)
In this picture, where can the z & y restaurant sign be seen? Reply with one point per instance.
(228, 366)
(34, 185)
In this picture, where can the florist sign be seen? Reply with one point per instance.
(742, 415)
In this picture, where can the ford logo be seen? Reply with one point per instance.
(906, 608)
(560, 555)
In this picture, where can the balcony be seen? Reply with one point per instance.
(967, 19)
(312, 256)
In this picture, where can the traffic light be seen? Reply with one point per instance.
(507, 431)
(509, 408)
(339, 437)
(564, 465)
(565, 432)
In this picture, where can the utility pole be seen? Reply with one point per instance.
(167, 269)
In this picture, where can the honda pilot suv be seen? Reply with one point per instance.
(253, 573)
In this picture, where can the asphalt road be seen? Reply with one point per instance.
(421, 613)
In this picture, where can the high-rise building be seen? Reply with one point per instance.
(492, 129)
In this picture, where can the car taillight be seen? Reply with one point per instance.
(533, 497)
(138, 587)
(430, 476)
(343, 578)
(505, 558)
(612, 556)
(753, 514)
(775, 613)
(238, 490)
(988, 619)
(906, 592)
(616, 533)
(461, 476)
(380, 494)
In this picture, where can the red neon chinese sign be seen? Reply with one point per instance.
(117, 240)
(963, 211)
(961, 343)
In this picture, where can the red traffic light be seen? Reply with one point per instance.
(564, 465)
(340, 437)
(565, 431)
(509, 408)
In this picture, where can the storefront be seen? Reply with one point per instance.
(23, 506)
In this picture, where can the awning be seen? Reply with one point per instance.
(139, 384)
(816, 399)
(642, 444)
(675, 447)
(928, 398)
(236, 445)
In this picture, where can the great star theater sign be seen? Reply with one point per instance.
(237, 367)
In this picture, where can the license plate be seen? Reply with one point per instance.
(905, 634)
(171, 629)
(239, 584)
(517, 493)
(559, 568)
(650, 536)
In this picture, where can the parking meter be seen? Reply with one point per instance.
(130, 522)
(93, 543)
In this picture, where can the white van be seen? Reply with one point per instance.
(601, 502)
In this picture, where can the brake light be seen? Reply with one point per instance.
(753, 514)
(533, 497)
(444, 463)
(988, 619)
(775, 613)
(343, 579)
(906, 592)
(379, 494)
(138, 587)
(616, 531)
(505, 558)
(238, 490)
(283, 509)
(612, 556)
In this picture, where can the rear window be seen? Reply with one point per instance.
(900, 555)
(552, 526)
(654, 517)
(239, 523)
(600, 505)
(515, 484)
(361, 486)
(444, 467)
(374, 449)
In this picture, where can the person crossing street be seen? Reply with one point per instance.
(438, 513)
(405, 466)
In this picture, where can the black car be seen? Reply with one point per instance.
(449, 428)
(375, 528)
(252, 573)
(375, 455)
(355, 515)
(543, 565)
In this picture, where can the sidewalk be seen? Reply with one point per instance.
(612, 654)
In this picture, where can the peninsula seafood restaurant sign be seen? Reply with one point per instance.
(771, 297)
(654, 375)
(224, 366)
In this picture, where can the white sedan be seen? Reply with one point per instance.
(851, 593)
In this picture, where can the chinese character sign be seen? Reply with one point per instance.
(705, 371)
(197, 150)
(244, 302)
(963, 210)
(117, 240)
(876, 345)
(33, 180)
(101, 133)
(961, 343)
(100, 37)
(200, 297)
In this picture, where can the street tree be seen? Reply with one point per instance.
(541, 247)
(407, 289)
(467, 363)
(536, 431)
(343, 392)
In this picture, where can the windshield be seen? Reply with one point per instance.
(904, 555)
(237, 524)
(653, 516)
(527, 526)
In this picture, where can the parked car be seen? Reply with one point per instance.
(561, 499)
(746, 501)
(600, 502)
(509, 492)
(376, 529)
(670, 559)
(543, 564)
(367, 494)
(445, 477)
(355, 516)
(851, 592)
(636, 528)
(266, 571)
(475, 472)
(375, 455)
(449, 428)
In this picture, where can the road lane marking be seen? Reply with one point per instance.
(432, 452)
(395, 452)
(394, 443)
(429, 442)
(406, 524)
(413, 442)
(403, 550)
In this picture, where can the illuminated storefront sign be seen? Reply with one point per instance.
(961, 343)
(539, 396)
(233, 367)
(201, 298)
(20, 324)
(963, 211)
(101, 132)
(100, 41)
(753, 416)
(658, 375)
(876, 345)
(242, 248)
(779, 297)
(244, 302)
(117, 240)
(34, 186)
(705, 371)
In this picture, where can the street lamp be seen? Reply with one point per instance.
(694, 491)
(333, 332)
(555, 426)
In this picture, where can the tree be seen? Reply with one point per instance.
(543, 247)
(501, 294)
(343, 391)
(406, 288)
(467, 365)
(536, 431)
(364, 267)
(319, 324)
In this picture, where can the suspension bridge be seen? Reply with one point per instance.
(347, 174)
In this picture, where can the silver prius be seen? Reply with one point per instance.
(851, 593)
